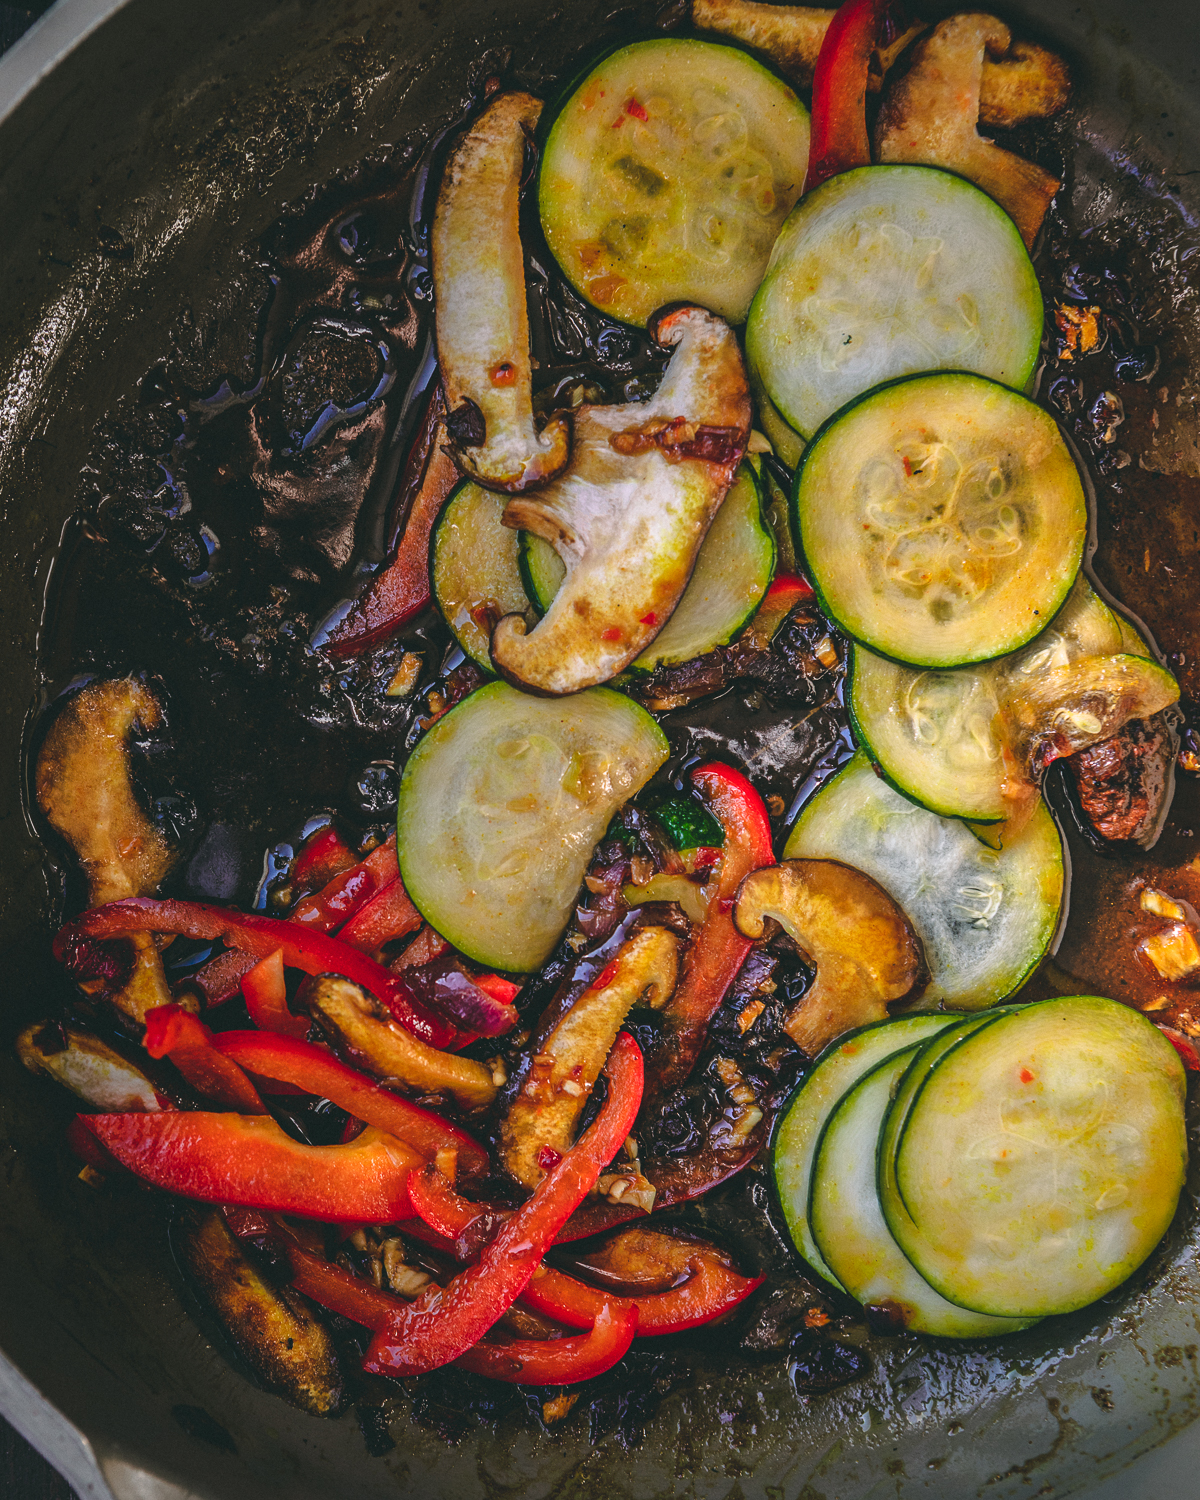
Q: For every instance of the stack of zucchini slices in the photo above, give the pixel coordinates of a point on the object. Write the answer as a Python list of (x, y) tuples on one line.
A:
[(967, 1175)]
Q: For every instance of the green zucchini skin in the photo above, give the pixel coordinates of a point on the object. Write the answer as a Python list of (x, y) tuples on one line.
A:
[(501, 805), (985, 918), (890, 271), (798, 1127), (861, 585), (849, 1226), (617, 184), (1040, 1159)]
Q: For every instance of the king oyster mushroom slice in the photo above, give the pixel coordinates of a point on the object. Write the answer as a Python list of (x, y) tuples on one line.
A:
[(84, 788), (90, 1068), (929, 117), (482, 319), (629, 515), (571, 1047), (863, 947)]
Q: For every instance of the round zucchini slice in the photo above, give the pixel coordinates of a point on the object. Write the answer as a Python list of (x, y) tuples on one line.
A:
[(473, 568), (985, 917), (889, 271), (938, 736), (733, 571), (666, 176), (943, 519), (849, 1226), (501, 805), (1042, 1159), (798, 1131)]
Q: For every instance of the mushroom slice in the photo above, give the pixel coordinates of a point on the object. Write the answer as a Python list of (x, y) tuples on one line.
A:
[(569, 1052), (865, 952), (630, 513), (275, 1331), (790, 35), (362, 1032), (84, 787), (929, 118), (90, 1068), (1027, 83), (482, 319)]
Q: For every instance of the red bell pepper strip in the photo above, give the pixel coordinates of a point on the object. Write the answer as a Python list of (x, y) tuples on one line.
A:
[(249, 1160), (500, 989), (314, 952), (315, 1070), (336, 902), (174, 1032), (424, 948), (718, 950), (528, 1361), (839, 109), (321, 857), (781, 598), (710, 1291), (266, 998), (440, 1327), (387, 915), (402, 589), (1184, 1046)]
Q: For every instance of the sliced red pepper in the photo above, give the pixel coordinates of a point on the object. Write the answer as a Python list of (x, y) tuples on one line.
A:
[(265, 990), (718, 950), (710, 1292), (401, 589), (249, 1160), (1184, 1046), (314, 952), (500, 989), (389, 914), (440, 1327), (321, 857), (424, 948), (174, 1032), (838, 141), (315, 1070), (527, 1361), (786, 591), (336, 902)]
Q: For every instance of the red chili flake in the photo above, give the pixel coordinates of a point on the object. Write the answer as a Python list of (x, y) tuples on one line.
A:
[(504, 374), (1026, 1076), (606, 976), (618, 122), (548, 1158), (611, 634), (650, 619), (908, 468), (636, 110), (725, 904)]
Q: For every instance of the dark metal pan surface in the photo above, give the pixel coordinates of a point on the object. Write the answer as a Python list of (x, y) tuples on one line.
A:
[(142, 148)]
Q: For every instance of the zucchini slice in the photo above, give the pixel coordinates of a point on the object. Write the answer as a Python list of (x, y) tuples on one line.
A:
[(943, 519), (501, 805), (473, 568), (733, 571), (667, 174), (798, 1132), (849, 1226), (938, 736), (889, 271), (1042, 1159), (985, 917)]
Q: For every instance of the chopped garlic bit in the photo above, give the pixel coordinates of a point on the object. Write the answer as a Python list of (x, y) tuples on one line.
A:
[(499, 1071), (557, 1407), (404, 679), (1174, 953), (750, 1015), (1161, 905), (744, 1115)]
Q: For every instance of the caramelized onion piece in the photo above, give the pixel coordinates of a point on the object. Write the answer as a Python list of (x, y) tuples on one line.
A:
[(364, 1034), (84, 787), (630, 513), (482, 320), (273, 1327), (865, 952), (569, 1053), (929, 118)]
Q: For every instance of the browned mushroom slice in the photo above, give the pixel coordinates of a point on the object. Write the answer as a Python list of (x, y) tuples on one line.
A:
[(1124, 783), (630, 513), (362, 1032), (482, 320), (84, 788), (274, 1329), (1027, 83), (90, 1068), (929, 117), (642, 1261), (860, 942), (570, 1049)]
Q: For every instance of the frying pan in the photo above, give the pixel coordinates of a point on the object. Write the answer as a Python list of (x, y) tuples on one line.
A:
[(173, 133)]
